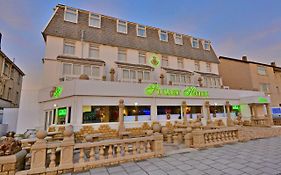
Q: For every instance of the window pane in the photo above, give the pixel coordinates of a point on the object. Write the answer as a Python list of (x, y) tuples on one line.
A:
[(163, 36), (126, 74), (95, 20), (76, 69), (141, 31), (66, 69), (140, 75), (122, 27), (95, 71), (173, 78), (142, 58), (94, 52), (87, 70), (122, 55), (146, 76), (183, 80), (69, 48), (195, 42), (71, 15), (100, 114), (133, 74)]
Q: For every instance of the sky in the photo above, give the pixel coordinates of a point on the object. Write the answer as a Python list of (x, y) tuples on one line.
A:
[(235, 28)]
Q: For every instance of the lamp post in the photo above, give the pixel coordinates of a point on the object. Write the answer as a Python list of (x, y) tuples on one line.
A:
[(137, 112)]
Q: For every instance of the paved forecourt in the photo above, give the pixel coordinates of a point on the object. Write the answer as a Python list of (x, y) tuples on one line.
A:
[(253, 158)]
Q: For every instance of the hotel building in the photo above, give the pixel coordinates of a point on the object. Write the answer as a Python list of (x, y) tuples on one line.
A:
[(92, 61)]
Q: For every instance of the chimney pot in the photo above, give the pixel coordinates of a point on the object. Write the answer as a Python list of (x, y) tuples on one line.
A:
[(273, 64), (244, 58)]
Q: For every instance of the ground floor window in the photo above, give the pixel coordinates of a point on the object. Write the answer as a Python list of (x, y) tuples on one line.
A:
[(59, 116), (137, 113), (217, 111), (193, 111), (168, 112), (100, 114)]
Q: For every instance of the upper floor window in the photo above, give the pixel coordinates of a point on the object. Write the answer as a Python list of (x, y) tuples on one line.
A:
[(261, 70), (163, 35), (6, 69), (165, 62), (76, 69), (264, 87), (94, 51), (69, 48), (94, 20), (66, 69), (206, 45), (197, 65), (180, 63), (178, 39), (122, 55), (195, 43), (122, 26), (70, 14), (141, 30), (142, 57), (208, 67)]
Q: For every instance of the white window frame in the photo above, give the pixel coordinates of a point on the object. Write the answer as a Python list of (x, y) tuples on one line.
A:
[(120, 50), (142, 54), (94, 66), (126, 24), (178, 36), (204, 45), (142, 27), (195, 39), (164, 32), (165, 58), (67, 42), (67, 9), (94, 47), (99, 18), (81, 71)]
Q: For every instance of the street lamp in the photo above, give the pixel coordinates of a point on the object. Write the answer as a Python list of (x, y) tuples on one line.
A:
[(137, 111)]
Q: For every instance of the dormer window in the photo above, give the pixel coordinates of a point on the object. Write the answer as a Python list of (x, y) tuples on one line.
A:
[(195, 42), (163, 35), (94, 20), (141, 30), (71, 15), (178, 39), (206, 45), (122, 26)]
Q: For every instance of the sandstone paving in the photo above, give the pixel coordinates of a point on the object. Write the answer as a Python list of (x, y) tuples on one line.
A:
[(255, 157)]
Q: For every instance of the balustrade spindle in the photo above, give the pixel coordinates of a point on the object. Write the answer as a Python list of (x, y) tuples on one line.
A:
[(53, 158), (219, 137), (215, 137), (92, 154), (141, 148), (206, 138), (110, 151), (101, 153), (134, 149), (126, 149), (148, 147), (118, 150), (81, 155), (138, 147)]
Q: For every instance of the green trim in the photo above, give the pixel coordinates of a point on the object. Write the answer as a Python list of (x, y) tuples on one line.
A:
[(58, 92)]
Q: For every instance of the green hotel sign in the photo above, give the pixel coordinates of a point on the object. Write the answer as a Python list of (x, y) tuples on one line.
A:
[(155, 89), (62, 112), (56, 92)]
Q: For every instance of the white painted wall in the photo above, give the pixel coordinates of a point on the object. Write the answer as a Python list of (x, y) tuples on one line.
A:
[(10, 117)]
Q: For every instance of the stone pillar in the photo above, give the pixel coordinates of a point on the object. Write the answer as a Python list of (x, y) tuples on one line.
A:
[(185, 119), (38, 153), (255, 111), (121, 127), (112, 74), (207, 106), (269, 114), (229, 121), (157, 145), (67, 147), (198, 138)]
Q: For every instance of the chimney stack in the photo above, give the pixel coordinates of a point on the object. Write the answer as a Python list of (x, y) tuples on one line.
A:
[(273, 64), (244, 58)]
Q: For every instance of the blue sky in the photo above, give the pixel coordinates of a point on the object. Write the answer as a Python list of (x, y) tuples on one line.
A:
[(236, 28)]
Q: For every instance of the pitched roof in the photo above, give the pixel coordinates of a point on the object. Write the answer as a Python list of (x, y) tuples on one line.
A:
[(108, 35), (11, 62)]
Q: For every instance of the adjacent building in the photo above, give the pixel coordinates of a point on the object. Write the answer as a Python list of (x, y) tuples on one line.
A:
[(92, 61), (244, 74)]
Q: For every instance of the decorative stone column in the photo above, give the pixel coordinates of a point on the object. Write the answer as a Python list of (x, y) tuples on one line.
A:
[(269, 114), (229, 121), (38, 153), (67, 147), (162, 79), (207, 106), (112, 74), (185, 120), (121, 127)]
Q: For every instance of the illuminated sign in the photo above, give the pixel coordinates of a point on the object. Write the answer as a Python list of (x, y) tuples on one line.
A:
[(155, 89), (236, 107), (262, 100), (62, 112), (154, 61), (56, 92)]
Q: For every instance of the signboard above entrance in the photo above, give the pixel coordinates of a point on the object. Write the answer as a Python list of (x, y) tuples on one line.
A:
[(155, 89)]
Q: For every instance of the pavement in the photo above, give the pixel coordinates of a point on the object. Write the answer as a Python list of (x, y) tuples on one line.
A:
[(255, 157)]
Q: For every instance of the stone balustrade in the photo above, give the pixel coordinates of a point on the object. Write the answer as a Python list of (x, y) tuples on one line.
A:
[(68, 156), (212, 137)]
